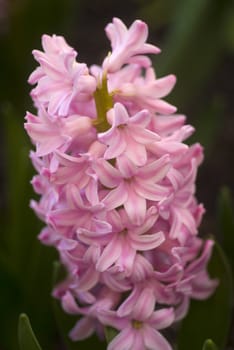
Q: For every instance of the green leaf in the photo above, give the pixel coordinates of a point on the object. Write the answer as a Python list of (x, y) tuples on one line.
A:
[(209, 345), (226, 223), (26, 336), (194, 21), (210, 318), (25, 265), (110, 333)]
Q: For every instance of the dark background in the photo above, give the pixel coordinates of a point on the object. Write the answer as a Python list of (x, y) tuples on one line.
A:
[(197, 42)]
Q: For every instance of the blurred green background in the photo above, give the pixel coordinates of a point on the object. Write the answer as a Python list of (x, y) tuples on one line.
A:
[(197, 42)]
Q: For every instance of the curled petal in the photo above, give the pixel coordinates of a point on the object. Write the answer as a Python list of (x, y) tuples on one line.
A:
[(162, 318)]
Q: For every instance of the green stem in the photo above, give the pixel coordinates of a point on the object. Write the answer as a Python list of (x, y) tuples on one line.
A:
[(104, 102)]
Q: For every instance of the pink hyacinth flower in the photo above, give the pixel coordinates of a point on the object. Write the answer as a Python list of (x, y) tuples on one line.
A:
[(128, 45), (116, 181), (132, 187), (128, 135), (51, 135), (139, 329), (141, 89), (60, 79)]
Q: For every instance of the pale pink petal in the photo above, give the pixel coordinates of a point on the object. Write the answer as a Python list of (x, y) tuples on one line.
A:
[(151, 217), (108, 175), (174, 273), (88, 279), (114, 282), (136, 152), (182, 309), (123, 341), (116, 197), (135, 207), (171, 147), (83, 329), (156, 170), (126, 43), (138, 342), (203, 286), (147, 242), (144, 307), (126, 167), (116, 146), (110, 318), (151, 191), (162, 107), (126, 260), (142, 269), (120, 116), (143, 136), (153, 340), (140, 120), (69, 304), (128, 304), (163, 86), (162, 318), (109, 255), (199, 264)]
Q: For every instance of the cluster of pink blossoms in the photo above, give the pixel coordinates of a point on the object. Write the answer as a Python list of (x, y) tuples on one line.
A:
[(117, 190)]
